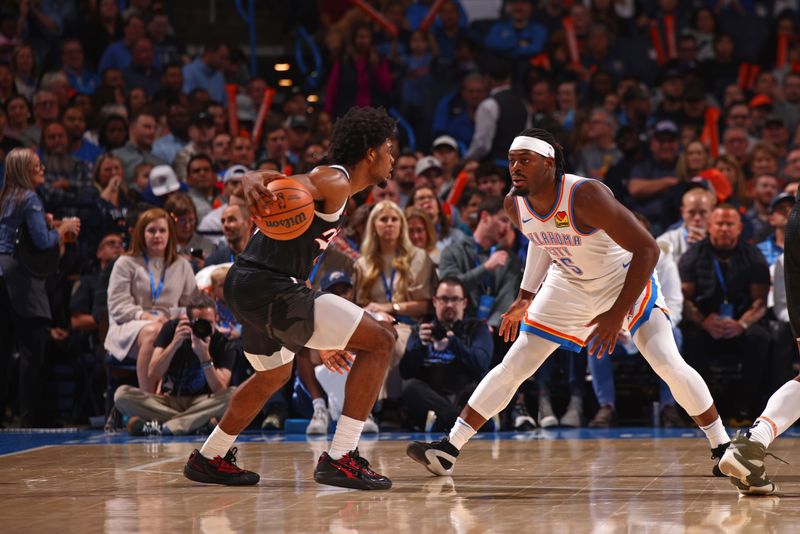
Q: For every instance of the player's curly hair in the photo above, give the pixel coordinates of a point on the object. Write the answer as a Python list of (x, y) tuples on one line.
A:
[(358, 130), (547, 137)]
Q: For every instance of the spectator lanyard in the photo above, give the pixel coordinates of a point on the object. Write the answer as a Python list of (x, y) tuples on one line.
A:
[(488, 281), (721, 280), (154, 292), (388, 290), (315, 267), (388, 287)]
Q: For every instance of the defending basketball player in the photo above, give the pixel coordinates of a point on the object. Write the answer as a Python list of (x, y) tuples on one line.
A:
[(744, 459), (598, 263), (266, 291)]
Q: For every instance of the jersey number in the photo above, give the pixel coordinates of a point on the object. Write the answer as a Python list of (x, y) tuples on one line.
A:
[(567, 263), (327, 237)]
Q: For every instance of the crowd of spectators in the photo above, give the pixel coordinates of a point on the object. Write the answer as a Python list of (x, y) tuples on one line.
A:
[(122, 171)]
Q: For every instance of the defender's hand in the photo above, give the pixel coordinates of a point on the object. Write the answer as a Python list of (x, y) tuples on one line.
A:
[(509, 327), (338, 361), (604, 336)]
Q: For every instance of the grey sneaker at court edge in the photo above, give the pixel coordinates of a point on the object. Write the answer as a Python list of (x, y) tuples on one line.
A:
[(743, 462)]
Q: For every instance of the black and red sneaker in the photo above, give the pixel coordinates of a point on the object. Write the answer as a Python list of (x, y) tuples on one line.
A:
[(219, 470), (349, 471)]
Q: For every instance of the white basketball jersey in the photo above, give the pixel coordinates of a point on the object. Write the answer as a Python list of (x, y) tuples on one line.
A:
[(585, 259)]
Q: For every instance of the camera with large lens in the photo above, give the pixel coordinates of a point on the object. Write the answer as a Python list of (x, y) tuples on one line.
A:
[(438, 332), (201, 328)]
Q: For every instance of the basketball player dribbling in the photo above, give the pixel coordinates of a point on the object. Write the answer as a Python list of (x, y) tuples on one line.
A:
[(744, 459), (598, 262), (266, 291)]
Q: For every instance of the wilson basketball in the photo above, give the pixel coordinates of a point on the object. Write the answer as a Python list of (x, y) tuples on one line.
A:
[(290, 214)]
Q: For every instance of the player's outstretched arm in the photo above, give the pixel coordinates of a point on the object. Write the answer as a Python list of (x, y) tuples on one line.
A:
[(596, 207)]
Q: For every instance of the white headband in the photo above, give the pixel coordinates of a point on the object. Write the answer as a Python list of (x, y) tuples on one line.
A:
[(533, 144)]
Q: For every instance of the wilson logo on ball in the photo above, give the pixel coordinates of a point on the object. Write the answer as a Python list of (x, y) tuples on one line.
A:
[(290, 214), (286, 222)]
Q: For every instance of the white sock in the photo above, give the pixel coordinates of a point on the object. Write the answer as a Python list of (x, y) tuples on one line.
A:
[(461, 433), (716, 434), (319, 404), (782, 410), (217, 444), (348, 430)]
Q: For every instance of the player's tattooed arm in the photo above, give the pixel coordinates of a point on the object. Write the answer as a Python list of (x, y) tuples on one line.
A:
[(596, 207), (326, 185), (330, 187)]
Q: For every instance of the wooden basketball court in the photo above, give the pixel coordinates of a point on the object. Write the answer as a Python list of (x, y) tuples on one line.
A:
[(510, 483)]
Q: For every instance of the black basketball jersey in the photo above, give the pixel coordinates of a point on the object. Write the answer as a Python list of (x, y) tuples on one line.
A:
[(294, 257), (791, 267)]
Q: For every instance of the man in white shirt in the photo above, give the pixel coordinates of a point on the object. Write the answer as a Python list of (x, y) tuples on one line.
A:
[(211, 225), (696, 206)]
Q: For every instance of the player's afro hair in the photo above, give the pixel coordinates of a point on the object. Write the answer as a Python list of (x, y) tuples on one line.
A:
[(358, 130), (547, 137)]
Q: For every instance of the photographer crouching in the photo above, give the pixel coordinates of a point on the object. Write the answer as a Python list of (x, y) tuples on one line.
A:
[(192, 362), (444, 360)]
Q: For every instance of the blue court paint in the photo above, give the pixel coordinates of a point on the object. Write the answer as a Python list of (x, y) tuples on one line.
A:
[(18, 441)]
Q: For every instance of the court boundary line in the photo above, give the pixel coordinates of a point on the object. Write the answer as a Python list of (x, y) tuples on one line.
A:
[(40, 447), (144, 468)]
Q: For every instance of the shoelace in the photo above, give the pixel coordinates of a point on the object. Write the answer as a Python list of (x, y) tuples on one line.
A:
[(740, 434), (359, 461), (231, 456), (228, 464), (777, 458)]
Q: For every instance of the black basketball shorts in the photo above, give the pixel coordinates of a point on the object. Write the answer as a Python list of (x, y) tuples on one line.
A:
[(280, 315)]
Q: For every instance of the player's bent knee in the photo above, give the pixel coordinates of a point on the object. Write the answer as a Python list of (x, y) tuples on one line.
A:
[(373, 338)]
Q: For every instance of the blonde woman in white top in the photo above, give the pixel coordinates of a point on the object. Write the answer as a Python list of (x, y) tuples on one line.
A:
[(392, 275)]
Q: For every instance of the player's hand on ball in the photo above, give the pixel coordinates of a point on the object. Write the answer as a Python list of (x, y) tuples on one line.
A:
[(604, 336), (338, 361), (256, 193), (509, 327)]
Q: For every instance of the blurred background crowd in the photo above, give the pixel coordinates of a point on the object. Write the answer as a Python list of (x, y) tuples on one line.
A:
[(127, 125)]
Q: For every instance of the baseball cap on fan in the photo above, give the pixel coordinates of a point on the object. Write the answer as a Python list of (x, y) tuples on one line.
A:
[(781, 197), (666, 128), (234, 172), (333, 278), (445, 140), (162, 180), (427, 163)]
